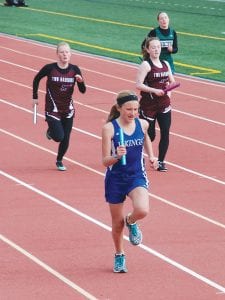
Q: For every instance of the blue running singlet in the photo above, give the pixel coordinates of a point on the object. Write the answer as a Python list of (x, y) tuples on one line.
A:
[(120, 180)]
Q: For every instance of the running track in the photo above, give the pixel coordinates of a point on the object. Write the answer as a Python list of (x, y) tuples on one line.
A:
[(55, 238)]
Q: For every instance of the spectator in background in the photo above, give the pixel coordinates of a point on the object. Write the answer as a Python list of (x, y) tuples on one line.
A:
[(167, 37), (15, 3)]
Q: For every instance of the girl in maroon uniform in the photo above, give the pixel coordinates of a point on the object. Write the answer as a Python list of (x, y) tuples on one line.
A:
[(153, 76), (59, 107)]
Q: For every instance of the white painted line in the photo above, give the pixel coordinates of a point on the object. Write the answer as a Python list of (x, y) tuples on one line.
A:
[(223, 1), (200, 118), (102, 174), (98, 137), (191, 212), (102, 225), (100, 58), (95, 136), (47, 268), (10, 103)]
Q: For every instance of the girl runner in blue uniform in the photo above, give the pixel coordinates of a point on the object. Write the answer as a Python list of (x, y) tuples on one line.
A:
[(129, 179)]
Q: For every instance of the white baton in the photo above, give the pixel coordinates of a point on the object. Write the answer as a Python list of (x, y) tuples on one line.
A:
[(35, 114)]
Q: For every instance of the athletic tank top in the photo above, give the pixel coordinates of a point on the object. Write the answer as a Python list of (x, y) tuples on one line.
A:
[(150, 104), (165, 41), (134, 146), (60, 87)]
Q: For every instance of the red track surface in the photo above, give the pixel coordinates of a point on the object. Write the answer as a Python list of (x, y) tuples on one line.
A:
[(55, 226)]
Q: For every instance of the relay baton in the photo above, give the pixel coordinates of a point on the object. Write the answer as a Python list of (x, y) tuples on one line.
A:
[(121, 136), (171, 86), (35, 114)]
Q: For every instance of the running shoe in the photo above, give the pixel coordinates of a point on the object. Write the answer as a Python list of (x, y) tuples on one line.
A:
[(162, 166), (135, 234), (60, 166), (120, 264), (48, 135)]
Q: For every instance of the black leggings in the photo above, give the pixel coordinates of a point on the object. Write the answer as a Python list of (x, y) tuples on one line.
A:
[(59, 131), (164, 121)]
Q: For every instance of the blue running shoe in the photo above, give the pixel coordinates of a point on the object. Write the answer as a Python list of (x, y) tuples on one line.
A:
[(135, 234), (60, 166), (120, 264)]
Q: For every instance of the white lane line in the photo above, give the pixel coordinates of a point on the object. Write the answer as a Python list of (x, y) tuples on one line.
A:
[(102, 174), (95, 136), (47, 268), (105, 112), (199, 117), (108, 60), (183, 77), (108, 228)]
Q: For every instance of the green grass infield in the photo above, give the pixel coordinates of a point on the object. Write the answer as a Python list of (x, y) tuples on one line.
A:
[(116, 29)]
